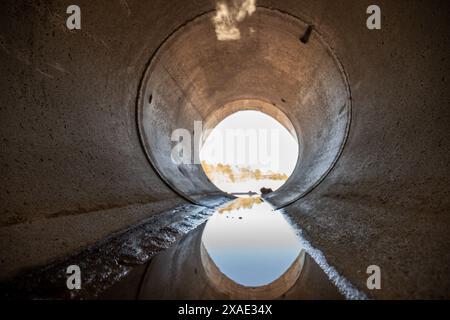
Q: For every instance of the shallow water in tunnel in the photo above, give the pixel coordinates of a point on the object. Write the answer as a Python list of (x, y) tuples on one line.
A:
[(250, 243), (246, 250)]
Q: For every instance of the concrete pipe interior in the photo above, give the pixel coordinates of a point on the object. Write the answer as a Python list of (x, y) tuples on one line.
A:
[(195, 77)]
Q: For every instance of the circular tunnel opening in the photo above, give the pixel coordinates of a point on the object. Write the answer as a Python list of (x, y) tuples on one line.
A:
[(195, 80), (249, 153)]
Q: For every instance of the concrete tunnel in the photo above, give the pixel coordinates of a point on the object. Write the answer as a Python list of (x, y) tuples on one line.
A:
[(87, 117)]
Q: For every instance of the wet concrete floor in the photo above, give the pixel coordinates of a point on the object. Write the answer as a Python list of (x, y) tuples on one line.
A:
[(245, 250)]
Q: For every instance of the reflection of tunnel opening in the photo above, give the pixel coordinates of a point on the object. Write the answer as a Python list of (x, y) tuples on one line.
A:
[(234, 290), (250, 251), (193, 76), (249, 152)]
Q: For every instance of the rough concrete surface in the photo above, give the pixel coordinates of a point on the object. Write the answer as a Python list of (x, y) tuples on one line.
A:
[(74, 171), (108, 261), (180, 273)]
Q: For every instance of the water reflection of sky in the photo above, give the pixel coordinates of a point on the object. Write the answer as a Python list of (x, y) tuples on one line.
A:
[(251, 244)]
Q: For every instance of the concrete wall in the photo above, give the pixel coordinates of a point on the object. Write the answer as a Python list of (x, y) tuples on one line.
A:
[(193, 77), (73, 169)]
